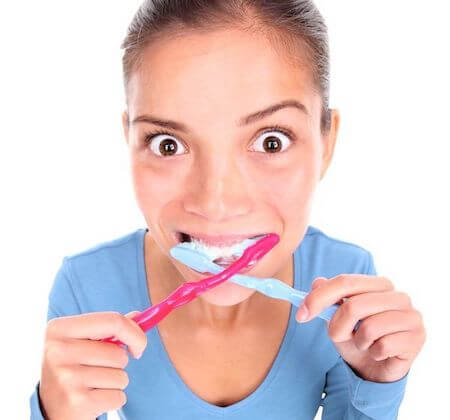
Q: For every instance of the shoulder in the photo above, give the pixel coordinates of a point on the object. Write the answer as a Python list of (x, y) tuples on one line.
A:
[(327, 256), (106, 247), (106, 255), (317, 239), (97, 276)]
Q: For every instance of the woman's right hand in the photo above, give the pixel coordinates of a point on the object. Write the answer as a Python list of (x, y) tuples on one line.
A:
[(82, 377)]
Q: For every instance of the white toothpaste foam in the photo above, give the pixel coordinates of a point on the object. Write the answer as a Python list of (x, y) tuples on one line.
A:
[(215, 252)]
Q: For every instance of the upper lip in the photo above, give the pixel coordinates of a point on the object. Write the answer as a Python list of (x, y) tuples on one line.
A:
[(220, 239)]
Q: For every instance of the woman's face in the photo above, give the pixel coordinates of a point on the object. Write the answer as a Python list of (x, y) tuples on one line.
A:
[(218, 171)]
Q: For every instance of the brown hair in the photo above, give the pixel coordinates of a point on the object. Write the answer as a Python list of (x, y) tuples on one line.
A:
[(293, 25)]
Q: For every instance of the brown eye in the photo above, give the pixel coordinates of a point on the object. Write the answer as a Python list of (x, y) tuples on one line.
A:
[(272, 142), (165, 145), (168, 147)]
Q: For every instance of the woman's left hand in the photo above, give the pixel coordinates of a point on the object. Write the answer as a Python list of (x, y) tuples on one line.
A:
[(390, 335)]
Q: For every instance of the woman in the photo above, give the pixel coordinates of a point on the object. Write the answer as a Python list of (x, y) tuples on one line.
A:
[(229, 133)]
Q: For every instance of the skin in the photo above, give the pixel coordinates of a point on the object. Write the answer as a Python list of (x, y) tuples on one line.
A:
[(224, 182), (81, 377), (219, 183)]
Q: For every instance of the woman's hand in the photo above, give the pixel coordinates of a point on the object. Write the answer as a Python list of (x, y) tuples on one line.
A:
[(82, 377), (391, 332)]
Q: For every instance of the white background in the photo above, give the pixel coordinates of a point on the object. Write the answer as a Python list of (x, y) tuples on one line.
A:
[(65, 182)]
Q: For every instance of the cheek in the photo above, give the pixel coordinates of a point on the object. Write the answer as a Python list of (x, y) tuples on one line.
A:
[(291, 189), (153, 188)]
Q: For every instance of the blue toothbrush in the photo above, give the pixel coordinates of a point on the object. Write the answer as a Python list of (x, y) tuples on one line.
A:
[(186, 253)]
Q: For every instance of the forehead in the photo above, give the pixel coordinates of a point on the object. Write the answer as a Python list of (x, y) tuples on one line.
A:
[(229, 71)]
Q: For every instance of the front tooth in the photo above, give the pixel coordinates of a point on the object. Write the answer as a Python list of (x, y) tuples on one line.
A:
[(217, 251)]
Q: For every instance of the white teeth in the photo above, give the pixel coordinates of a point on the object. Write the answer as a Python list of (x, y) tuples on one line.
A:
[(215, 252), (222, 251)]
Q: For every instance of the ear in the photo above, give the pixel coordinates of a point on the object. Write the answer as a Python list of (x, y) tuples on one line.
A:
[(329, 141), (125, 124)]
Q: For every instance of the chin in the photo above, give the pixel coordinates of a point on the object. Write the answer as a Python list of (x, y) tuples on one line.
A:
[(227, 294)]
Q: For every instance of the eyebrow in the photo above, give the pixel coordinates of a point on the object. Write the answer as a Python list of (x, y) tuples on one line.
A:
[(251, 118)]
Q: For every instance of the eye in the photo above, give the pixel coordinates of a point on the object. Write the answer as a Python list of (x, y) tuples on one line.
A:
[(274, 140), (164, 144)]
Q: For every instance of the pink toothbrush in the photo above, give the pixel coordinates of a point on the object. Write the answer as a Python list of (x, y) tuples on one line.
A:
[(190, 290)]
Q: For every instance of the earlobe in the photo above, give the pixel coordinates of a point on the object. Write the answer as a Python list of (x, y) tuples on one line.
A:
[(329, 141)]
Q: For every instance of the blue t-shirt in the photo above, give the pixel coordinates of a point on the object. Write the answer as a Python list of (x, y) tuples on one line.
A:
[(307, 372)]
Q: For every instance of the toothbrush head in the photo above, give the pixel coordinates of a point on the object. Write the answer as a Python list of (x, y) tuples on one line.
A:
[(256, 251), (193, 258), (215, 253)]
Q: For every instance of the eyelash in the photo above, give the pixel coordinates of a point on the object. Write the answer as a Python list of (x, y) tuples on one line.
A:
[(287, 132)]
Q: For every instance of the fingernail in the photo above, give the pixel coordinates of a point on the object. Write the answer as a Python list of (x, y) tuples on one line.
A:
[(302, 314), (139, 355)]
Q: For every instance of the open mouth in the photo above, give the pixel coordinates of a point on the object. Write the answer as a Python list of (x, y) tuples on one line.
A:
[(222, 250)]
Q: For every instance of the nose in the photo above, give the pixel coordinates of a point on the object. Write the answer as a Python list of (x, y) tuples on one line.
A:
[(217, 191)]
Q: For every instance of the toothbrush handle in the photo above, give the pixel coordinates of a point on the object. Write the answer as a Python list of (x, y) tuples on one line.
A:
[(278, 290), (328, 313), (296, 297), (190, 290)]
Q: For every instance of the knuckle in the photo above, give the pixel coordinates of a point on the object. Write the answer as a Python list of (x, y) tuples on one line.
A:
[(121, 358), (405, 298), (423, 336), (388, 283), (52, 351), (333, 332), (66, 377), (144, 341), (118, 321), (366, 332), (348, 308), (419, 316), (347, 281), (341, 278), (75, 399), (309, 300), (124, 379), (119, 399), (381, 349), (51, 328)]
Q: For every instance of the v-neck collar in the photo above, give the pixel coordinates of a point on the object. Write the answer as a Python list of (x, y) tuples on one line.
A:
[(181, 385)]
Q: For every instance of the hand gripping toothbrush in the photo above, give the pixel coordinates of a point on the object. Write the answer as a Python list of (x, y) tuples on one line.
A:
[(198, 258), (190, 290)]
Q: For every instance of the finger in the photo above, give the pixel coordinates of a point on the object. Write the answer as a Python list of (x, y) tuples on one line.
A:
[(97, 325), (403, 345), (339, 287), (385, 323), (101, 377), (319, 281), (361, 306), (103, 400), (87, 352), (131, 315)]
